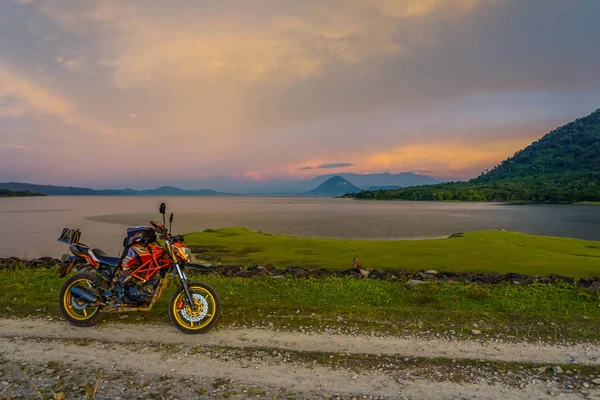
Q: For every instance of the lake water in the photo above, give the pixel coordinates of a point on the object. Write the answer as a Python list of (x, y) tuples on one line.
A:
[(30, 226)]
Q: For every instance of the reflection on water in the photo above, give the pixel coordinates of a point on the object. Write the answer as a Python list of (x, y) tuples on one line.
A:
[(30, 225)]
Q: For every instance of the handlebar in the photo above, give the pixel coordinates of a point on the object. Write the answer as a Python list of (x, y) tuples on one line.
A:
[(157, 225)]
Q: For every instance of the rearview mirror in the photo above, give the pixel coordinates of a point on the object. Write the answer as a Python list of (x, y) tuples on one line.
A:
[(171, 218), (163, 208)]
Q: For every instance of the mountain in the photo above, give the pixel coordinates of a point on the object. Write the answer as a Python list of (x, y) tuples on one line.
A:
[(77, 191), (572, 148), (364, 181), (334, 186), (294, 186), (561, 167)]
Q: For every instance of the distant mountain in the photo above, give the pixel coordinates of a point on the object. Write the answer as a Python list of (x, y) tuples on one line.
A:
[(77, 191), (10, 193), (173, 191), (229, 184), (334, 186), (364, 181), (561, 167)]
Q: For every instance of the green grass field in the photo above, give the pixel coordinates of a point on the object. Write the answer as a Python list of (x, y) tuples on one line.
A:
[(484, 251), (547, 312)]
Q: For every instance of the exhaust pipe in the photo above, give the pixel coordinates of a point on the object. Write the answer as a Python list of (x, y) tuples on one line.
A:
[(85, 294)]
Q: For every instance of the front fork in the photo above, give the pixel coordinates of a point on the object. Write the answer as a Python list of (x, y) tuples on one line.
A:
[(184, 284)]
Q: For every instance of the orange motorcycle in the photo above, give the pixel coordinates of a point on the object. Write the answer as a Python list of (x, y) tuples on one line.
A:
[(135, 281)]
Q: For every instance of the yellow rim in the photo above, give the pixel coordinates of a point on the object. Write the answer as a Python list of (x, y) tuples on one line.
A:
[(68, 300), (210, 312)]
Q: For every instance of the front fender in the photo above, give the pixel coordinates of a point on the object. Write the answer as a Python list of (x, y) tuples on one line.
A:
[(199, 268)]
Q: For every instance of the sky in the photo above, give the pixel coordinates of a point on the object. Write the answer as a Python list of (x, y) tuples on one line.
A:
[(142, 93)]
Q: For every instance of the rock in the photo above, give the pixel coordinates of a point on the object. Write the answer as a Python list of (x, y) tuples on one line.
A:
[(557, 370), (431, 272), (586, 385), (353, 273), (270, 324), (475, 332), (298, 272), (456, 235), (413, 282), (596, 381), (279, 277), (595, 285), (364, 272), (124, 316), (243, 274), (244, 364), (542, 369), (378, 274), (327, 396), (354, 377)]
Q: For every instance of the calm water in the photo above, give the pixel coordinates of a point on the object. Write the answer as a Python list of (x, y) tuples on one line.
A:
[(30, 226)]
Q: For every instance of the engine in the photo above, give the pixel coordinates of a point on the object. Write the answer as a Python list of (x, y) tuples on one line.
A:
[(141, 293)]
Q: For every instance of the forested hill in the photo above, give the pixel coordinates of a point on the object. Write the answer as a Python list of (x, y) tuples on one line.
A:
[(574, 147), (21, 193), (561, 167)]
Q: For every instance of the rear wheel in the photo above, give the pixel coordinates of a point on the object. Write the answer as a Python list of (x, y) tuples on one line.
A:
[(75, 309), (203, 318)]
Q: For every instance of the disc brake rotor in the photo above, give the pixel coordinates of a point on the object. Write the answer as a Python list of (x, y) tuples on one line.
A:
[(201, 309)]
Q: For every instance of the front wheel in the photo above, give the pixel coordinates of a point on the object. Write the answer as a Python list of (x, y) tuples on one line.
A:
[(201, 320)]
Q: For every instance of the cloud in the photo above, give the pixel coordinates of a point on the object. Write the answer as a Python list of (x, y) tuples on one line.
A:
[(268, 88), (327, 166), (21, 97), (453, 159), (422, 8), (335, 165), (15, 147)]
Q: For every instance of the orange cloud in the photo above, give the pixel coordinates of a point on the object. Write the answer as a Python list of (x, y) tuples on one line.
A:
[(23, 97), (420, 8), (446, 159)]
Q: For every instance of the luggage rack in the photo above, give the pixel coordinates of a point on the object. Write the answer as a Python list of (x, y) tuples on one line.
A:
[(69, 236)]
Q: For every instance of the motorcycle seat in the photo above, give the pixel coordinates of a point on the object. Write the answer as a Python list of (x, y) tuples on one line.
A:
[(104, 258)]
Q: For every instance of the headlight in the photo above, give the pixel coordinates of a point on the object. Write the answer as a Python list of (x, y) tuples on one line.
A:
[(187, 254)]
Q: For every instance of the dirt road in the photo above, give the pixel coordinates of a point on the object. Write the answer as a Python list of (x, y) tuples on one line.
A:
[(141, 361)]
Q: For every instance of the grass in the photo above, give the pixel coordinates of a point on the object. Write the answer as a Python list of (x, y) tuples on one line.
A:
[(483, 251), (547, 312)]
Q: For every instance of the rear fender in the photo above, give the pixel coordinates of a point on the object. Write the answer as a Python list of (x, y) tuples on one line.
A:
[(67, 264)]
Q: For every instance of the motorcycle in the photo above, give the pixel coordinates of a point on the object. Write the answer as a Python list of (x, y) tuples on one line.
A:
[(136, 280)]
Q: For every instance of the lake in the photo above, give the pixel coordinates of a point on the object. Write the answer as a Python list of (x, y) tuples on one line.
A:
[(30, 226)]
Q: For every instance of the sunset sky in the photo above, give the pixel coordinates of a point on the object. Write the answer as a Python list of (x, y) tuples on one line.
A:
[(145, 93)]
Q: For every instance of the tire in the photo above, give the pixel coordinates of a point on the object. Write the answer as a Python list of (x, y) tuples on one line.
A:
[(77, 311), (209, 311)]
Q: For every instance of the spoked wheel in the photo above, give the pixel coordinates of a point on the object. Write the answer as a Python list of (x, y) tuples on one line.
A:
[(206, 312), (75, 308)]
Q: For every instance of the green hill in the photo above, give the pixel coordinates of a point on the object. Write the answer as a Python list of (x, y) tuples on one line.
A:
[(573, 148), (561, 167)]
